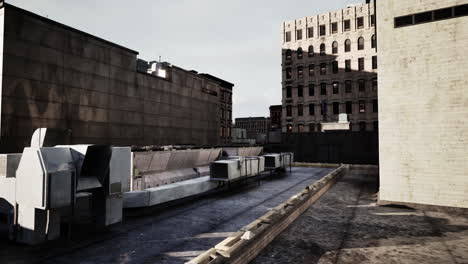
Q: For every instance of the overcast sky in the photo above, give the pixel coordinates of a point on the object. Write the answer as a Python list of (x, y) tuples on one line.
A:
[(236, 40)]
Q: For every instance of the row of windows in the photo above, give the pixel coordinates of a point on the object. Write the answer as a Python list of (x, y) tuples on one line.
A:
[(333, 28), (318, 127), (431, 16), (348, 87), (335, 108), (334, 47), (334, 68)]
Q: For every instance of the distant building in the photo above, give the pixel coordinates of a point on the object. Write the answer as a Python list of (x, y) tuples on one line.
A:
[(225, 108), (329, 66), (254, 125), (59, 77), (239, 137), (423, 95), (275, 116)]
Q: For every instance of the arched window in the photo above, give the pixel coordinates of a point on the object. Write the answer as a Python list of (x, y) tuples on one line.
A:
[(334, 47), (311, 51), (322, 49), (288, 54), (373, 42), (299, 53), (360, 45), (347, 45)]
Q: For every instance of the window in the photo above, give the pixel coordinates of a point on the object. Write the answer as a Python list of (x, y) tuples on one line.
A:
[(360, 22), (347, 25), (311, 89), (349, 107), (323, 68), (373, 42), (288, 54), (423, 17), (442, 13), (300, 72), (322, 30), (336, 87), (288, 73), (461, 10), (299, 34), (362, 106), (360, 45), (311, 69), (334, 27), (362, 126), (347, 65), (299, 53), (311, 51), (374, 84), (372, 20), (289, 128), (322, 49), (312, 127), (362, 85), (288, 92), (374, 62), (336, 108), (288, 36), (348, 87), (300, 110), (311, 109), (300, 128), (300, 91), (335, 67), (361, 64), (403, 21), (288, 110), (310, 32), (347, 45), (323, 89), (334, 47), (375, 106), (323, 108)]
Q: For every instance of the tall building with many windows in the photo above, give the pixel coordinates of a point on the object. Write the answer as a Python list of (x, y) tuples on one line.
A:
[(329, 67)]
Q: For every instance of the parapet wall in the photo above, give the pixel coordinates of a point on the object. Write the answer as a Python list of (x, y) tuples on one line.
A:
[(55, 76)]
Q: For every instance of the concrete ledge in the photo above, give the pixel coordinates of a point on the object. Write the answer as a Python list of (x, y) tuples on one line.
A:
[(245, 245)]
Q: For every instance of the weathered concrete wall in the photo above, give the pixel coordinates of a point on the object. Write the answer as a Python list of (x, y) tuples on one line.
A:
[(423, 96), (58, 77)]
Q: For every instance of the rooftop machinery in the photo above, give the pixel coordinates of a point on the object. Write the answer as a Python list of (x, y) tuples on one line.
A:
[(62, 184)]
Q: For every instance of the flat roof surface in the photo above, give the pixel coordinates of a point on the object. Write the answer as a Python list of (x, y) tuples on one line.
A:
[(346, 226), (174, 235)]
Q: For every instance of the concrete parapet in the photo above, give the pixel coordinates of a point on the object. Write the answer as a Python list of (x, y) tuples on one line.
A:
[(243, 246)]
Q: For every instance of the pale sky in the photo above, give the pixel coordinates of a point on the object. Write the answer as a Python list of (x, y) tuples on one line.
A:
[(236, 40)]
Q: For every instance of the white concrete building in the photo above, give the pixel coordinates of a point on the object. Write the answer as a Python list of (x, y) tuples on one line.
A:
[(423, 102)]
